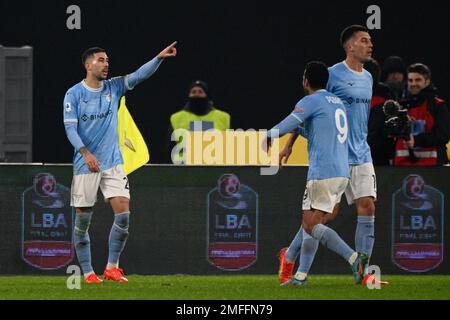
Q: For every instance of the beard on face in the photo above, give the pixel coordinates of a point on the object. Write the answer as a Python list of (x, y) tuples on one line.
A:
[(100, 75)]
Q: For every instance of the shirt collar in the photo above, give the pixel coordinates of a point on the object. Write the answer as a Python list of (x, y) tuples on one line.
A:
[(354, 71), (83, 82)]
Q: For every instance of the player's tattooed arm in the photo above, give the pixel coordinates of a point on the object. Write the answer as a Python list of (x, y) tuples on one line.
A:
[(90, 159)]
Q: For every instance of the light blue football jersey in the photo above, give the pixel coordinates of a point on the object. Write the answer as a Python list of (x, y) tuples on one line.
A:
[(95, 112), (325, 126), (355, 90)]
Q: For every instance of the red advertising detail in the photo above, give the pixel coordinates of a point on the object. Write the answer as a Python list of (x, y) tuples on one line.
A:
[(418, 257), (232, 242), (232, 256), (47, 255)]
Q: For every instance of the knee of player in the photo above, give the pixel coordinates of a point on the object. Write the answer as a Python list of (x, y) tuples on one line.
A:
[(366, 206), (329, 217), (308, 224)]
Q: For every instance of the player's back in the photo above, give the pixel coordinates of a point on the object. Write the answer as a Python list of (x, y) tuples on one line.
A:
[(355, 90), (326, 130)]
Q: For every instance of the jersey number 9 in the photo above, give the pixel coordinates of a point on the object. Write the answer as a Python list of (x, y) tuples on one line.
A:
[(342, 128)]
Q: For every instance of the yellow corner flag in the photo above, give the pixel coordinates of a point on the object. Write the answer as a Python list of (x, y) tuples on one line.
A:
[(134, 150)]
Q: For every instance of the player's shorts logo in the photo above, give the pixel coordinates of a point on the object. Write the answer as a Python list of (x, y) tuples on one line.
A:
[(47, 223), (418, 224), (232, 224)]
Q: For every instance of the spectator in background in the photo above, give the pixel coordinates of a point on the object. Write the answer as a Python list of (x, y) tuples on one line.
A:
[(430, 130), (394, 76), (199, 113), (381, 145), (380, 91)]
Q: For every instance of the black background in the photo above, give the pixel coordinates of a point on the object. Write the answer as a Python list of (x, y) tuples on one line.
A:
[(251, 53)]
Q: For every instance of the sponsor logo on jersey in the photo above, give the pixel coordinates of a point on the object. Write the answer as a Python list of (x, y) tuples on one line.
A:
[(93, 117)]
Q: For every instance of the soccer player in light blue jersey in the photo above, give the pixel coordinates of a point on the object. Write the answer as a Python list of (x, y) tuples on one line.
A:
[(323, 117), (353, 85), (90, 120)]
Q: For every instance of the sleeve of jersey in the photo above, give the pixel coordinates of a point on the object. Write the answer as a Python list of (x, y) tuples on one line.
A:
[(71, 121), (143, 73), (369, 75), (292, 121), (301, 131), (330, 84)]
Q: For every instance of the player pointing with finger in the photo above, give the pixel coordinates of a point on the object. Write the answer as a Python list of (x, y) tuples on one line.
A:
[(90, 120)]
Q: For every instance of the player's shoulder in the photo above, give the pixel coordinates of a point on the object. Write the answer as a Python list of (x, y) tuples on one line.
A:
[(329, 97), (309, 102), (336, 73), (117, 84), (75, 90), (328, 94), (306, 100), (367, 74), (337, 68), (114, 80)]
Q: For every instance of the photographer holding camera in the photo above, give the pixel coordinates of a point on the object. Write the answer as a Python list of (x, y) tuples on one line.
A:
[(427, 121)]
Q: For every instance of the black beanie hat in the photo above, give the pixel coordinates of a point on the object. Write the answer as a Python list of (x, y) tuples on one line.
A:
[(392, 64), (200, 84)]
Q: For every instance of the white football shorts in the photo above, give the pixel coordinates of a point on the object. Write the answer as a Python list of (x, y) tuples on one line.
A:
[(112, 182), (363, 183), (324, 194)]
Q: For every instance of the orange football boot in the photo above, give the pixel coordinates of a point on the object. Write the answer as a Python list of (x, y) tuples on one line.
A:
[(114, 274), (92, 278), (286, 268)]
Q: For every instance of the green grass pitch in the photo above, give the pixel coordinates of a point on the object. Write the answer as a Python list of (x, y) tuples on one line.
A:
[(264, 287)]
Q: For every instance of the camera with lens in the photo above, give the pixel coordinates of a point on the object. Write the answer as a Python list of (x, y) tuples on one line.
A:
[(397, 122)]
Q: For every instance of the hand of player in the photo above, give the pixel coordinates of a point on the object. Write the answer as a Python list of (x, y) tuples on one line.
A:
[(284, 154), (91, 161), (168, 52)]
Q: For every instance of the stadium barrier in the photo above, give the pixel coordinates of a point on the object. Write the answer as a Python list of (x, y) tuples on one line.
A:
[(217, 220)]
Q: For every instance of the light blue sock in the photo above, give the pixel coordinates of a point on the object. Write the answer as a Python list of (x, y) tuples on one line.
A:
[(365, 234), (330, 239), (82, 241), (295, 246), (308, 252), (118, 238)]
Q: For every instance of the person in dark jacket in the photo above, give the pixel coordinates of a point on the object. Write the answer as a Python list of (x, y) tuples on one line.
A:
[(381, 145), (431, 122)]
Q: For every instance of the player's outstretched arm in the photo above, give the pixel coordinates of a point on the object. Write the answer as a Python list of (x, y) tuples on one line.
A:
[(287, 125), (148, 69), (290, 123)]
